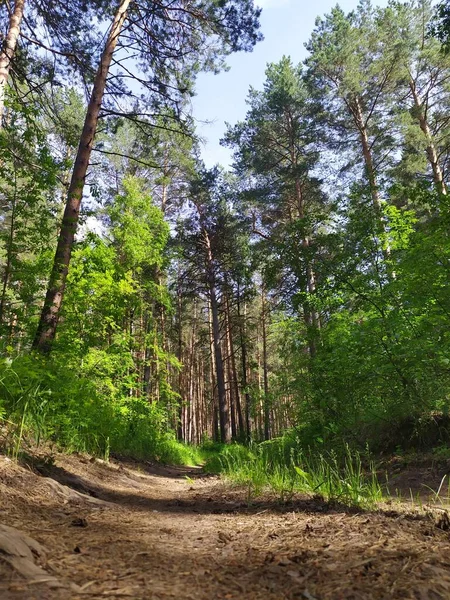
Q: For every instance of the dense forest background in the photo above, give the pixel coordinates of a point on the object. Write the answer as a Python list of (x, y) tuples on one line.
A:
[(146, 299)]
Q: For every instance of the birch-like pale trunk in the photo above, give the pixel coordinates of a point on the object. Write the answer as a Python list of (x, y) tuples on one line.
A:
[(8, 50), (48, 322)]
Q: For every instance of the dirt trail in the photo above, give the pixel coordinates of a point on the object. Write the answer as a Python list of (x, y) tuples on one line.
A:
[(142, 532)]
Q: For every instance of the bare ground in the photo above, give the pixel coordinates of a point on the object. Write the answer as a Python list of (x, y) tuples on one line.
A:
[(130, 530)]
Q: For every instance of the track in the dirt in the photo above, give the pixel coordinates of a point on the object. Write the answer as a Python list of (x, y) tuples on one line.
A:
[(155, 533)]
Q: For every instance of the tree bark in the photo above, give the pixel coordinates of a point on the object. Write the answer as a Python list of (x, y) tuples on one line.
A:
[(221, 392), (367, 153), (361, 125), (9, 253), (180, 358), (9, 49), (311, 316), (231, 388), (215, 425), (265, 368), (432, 155), (218, 358), (52, 306), (234, 375)]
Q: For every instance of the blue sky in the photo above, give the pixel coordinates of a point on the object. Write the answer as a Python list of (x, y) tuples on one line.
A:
[(286, 26)]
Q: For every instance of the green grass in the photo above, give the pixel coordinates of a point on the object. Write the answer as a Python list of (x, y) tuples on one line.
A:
[(280, 468), (42, 402)]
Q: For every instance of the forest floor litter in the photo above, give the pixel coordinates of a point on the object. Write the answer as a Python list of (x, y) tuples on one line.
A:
[(80, 528)]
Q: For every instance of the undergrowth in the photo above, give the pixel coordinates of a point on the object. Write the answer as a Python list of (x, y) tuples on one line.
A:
[(87, 409), (279, 467), (48, 402)]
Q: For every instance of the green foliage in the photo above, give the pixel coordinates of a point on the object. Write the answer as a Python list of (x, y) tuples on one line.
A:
[(284, 468), (325, 255), (48, 401)]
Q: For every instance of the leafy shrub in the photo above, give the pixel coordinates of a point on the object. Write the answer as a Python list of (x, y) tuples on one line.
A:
[(83, 409)]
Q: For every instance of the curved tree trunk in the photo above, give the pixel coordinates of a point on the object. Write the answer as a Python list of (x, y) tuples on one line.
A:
[(52, 306), (367, 153), (9, 49), (432, 155), (361, 125)]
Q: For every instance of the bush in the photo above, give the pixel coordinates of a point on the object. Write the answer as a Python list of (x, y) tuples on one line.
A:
[(82, 410)]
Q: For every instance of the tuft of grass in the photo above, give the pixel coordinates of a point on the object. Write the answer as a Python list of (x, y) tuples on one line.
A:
[(286, 471)]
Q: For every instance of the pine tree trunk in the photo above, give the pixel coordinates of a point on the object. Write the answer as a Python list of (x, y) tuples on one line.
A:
[(266, 405), (311, 316), (9, 254), (432, 155), (231, 388), (234, 375), (8, 50), (180, 358), (243, 348), (52, 306), (355, 107), (218, 359), (213, 378)]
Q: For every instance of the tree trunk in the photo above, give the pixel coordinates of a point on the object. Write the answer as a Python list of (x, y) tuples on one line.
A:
[(265, 368), (180, 358), (220, 375), (234, 375), (231, 389), (9, 49), (218, 359), (367, 153), (311, 316), (355, 108), (52, 306), (215, 426), (432, 155), (9, 254), (243, 342)]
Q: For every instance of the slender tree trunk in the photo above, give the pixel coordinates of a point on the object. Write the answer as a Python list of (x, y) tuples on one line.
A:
[(180, 358), (234, 375), (9, 253), (52, 306), (215, 411), (231, 388), (367, 153), (259, 414), (432, 155), (311, 316), (8, 50), (361, 124), (218, 358), (266, 405), (243, 343)]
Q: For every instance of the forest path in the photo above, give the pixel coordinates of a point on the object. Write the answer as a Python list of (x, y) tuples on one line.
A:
[(148, 532)]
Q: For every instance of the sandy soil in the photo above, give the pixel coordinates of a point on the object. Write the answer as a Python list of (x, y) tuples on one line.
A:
[(144, 532)]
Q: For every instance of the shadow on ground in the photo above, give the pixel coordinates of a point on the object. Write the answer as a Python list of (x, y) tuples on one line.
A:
[(199, 501)]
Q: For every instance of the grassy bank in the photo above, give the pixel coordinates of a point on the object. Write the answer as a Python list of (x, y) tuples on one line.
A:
[(281, 468)]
